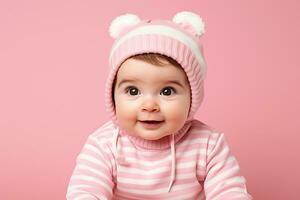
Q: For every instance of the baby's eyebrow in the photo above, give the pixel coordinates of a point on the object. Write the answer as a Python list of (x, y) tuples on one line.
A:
[(175, 82), (165, 82), (126, 81)]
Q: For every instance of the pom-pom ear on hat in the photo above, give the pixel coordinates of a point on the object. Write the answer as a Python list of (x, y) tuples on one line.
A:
[(122, 22), (190, 21)]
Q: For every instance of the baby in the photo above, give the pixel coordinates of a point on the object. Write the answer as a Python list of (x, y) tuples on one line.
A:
[(153, 148)]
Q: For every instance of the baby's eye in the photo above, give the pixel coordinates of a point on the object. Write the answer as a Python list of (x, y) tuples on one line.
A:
[(132, 91), (167, 91)]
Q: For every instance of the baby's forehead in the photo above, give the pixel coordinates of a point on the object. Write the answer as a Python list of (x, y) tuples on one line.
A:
[(134, 65), (153, 76), (142, 70), (147, 72)]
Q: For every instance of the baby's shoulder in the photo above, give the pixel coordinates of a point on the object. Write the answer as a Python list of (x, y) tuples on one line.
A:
[(200, 130), (104, 133)]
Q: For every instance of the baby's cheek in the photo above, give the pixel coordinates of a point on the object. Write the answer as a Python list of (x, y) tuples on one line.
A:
[(176, 111), (125, 117), (125, 110)]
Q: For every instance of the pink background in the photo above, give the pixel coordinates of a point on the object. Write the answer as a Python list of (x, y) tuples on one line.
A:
[(53, 66)]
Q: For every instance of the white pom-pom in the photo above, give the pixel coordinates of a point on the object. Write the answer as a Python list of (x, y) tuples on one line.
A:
[(121, 22), (192, 19)]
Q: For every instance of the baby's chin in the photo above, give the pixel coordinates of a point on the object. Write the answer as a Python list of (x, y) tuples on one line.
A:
[(151, 136)]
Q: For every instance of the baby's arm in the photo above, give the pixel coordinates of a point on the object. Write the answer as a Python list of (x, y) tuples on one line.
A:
[(223, 180), (92, 176)]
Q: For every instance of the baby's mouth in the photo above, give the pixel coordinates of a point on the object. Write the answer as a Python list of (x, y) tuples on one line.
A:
[(151, 121), (151, 124)]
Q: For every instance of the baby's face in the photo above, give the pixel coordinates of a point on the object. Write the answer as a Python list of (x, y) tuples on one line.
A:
[(151, 101)]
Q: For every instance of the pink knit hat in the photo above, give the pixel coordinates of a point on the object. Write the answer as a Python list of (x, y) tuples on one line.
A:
[(178, 39)]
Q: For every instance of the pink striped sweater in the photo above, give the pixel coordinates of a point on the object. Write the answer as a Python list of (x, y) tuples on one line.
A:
[(113, 165)]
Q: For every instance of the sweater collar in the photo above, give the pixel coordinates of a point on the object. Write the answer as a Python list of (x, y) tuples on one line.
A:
[(163, 143)]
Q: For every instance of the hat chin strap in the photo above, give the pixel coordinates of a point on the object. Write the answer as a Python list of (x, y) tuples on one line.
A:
[(173, 155), (120, 158)]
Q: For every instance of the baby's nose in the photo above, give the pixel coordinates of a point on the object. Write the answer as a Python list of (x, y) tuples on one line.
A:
[(150, 105)]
